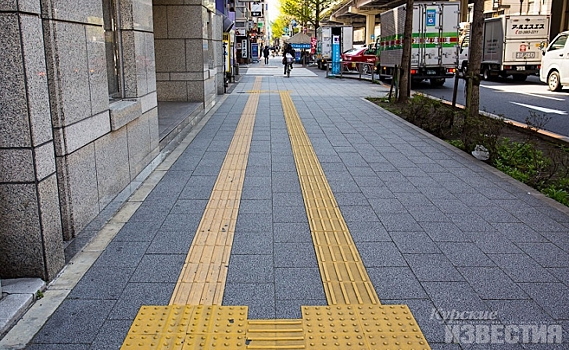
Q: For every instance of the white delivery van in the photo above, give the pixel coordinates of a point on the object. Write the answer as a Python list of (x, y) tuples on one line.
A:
[(555, 63)]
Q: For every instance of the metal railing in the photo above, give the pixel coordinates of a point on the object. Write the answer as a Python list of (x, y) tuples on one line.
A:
[(359, 70)]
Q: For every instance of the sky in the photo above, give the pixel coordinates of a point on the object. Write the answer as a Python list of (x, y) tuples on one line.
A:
[(273, 9)]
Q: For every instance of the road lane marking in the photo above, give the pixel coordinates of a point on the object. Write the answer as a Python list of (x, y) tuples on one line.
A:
[(522, 92), (541, 109)]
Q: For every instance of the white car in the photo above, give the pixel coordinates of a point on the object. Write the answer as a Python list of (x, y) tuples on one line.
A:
[(555, 63)]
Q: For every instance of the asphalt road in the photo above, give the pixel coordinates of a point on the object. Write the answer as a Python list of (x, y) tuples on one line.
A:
[(514, 100)]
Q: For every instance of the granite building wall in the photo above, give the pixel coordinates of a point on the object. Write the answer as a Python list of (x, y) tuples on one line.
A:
[(65, 150), (189, 51)]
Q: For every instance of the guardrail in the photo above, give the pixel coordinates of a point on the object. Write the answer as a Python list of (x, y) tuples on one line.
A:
[(359, 70)]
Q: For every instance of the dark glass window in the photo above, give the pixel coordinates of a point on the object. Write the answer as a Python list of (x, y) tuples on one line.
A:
[(111, 23)]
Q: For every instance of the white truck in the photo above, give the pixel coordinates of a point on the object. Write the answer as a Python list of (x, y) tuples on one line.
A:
[(512, 45), (434, 52), (324, 42)]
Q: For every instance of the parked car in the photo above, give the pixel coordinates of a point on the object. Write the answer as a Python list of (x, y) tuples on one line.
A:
[(554, 68), (363, 54)]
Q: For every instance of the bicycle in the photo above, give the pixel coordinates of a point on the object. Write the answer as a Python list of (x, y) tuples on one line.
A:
[(288, 67)]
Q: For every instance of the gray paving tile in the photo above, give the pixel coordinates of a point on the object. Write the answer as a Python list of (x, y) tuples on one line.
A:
[(254, 223), (423, 309), (152, 212), (370, 231), (122, 254), (171, 242), (428, 214), (552, 297), (111, 335), (362, 213), (386, 205), (136, 295), (256, 192), (185, 206), (376, 192), (448, 296), (255, 206), (75, 322), (519, 232), (465, 254), (102, 283), (561, 273), (471, 222), (546, 254), (198, 187), (445, 232), (294, 255), (513, 260), (143, 231), (414, 242), (451, 206), (492, 283), (285, 181), (181, 222), (395, 283), (433, 268), (298, 283), (159, 268), (530, 274), (251, 181), (287, 199), (58, 346), (518, 312), (286, 232), (249, 243), (290, 214), (494, 242), (291, 308), (399, 222), (259, 297), (380, 254), (251, 269)]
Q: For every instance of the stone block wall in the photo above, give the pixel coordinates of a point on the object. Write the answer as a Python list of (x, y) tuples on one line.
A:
[(186, 45), (65, 150), (31, 243)]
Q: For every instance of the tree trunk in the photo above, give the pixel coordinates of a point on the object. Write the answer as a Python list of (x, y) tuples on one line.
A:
[(405, 79), (475, 58)]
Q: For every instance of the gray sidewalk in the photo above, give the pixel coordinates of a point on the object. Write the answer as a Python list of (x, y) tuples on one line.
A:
[(470, 250)]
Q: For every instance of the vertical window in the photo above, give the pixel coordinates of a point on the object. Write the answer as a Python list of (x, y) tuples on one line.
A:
[(113, 48)]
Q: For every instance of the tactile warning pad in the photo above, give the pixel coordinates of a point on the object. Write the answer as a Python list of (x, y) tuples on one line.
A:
[(365, 327), (362, 327)]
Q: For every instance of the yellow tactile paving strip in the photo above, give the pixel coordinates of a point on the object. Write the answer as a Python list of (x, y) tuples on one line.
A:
[(343, 273), (354, 319), (202, 280)]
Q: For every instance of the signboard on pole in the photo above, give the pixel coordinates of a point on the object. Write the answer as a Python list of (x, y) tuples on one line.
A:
[(244, 51), (335, 54), (254, 51)]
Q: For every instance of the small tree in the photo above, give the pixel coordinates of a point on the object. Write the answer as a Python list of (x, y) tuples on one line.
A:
[(405, 80), (305, 11), (475, 59)]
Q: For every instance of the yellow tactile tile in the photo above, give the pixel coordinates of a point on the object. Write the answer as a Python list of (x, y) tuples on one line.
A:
[(203, 275), (343, 273)]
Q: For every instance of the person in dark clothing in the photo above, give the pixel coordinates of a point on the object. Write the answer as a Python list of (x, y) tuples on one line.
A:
[(288, 50), (266, 53)]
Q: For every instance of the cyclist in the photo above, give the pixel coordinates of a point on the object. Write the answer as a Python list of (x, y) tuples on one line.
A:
[(288, 52)]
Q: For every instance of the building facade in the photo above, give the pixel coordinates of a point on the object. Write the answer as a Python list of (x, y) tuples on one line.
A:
[(82, 83)]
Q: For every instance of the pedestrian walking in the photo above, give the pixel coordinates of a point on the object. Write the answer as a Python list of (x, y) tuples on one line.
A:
[(266, 52)]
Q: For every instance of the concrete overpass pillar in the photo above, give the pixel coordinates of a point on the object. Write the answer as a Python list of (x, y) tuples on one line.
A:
[(370, 28)]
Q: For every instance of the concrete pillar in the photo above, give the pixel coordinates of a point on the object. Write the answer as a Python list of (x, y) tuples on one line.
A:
[(370, 28), (31, 242)]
